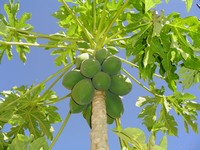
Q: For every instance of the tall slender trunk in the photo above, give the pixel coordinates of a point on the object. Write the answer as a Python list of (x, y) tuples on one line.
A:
[(99, 131)]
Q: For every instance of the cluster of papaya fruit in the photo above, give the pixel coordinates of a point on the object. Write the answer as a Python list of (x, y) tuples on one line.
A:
[(100, 71)]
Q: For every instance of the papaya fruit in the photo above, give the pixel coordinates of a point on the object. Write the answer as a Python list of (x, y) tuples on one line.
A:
[(80, 58), (102, 54), (90, 67), (87, 113), (101, 81), (111, 65), (114, 105), (76, 108), (110, 120), (83, 92), (120, 84), (72, 78)]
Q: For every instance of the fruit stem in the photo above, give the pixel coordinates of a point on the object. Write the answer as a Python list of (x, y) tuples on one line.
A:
[(60, 131), (99, 130)]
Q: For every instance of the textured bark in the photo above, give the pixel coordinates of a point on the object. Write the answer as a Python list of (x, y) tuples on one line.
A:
[(99, 131)]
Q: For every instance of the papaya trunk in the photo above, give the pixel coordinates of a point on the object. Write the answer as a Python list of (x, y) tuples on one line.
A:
[(99, 131)]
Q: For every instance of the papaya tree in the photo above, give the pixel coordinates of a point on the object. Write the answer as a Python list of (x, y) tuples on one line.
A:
[(88, 52)]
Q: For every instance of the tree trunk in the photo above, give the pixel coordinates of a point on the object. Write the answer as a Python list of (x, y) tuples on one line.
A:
[(99, 131)]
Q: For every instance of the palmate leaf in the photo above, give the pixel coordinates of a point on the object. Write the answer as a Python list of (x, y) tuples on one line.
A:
[(137, 139), (38, 120), (22, 142), (64, 56), (9, 26), (90, 31), (134, 136), (184, 105), (189, 26), (154, 121), (39, 144), (169, 122), (26, 110), (149, 116), (163, 42)]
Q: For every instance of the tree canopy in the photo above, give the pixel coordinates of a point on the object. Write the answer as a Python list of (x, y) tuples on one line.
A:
[(159, 46)]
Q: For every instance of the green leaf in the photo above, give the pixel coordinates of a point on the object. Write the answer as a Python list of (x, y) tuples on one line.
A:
[(149, 116), (158, 22), (193, 105), (134, 136), (11, 34), (63, 56), (3, 143), (139, 5), (20, 142), (169, 122), (3, 28), (192, 63), (189, 77), (164, 142), (22, 50), (167, 1), (11, 10), (28, 111), (22, 22), (147, 59), (150, 4), (188, 4), (39, 144), (152, 146), (182, 104)]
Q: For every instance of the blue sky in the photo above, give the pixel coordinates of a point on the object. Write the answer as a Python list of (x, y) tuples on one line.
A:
[(40, 65)]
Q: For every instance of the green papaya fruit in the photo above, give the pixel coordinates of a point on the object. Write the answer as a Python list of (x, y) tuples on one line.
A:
[(83, 92), (101, 81), (110, 120), (87, 113), (111, 65), (72, 78), (76, 108), (80, 58), (90, 67), (114, 105), (102, 54), (120, 84)]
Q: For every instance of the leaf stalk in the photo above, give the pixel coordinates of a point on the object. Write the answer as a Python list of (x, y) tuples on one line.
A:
[(60, 130)]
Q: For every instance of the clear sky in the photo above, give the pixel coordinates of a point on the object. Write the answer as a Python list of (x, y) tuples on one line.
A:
[(40, 65)]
